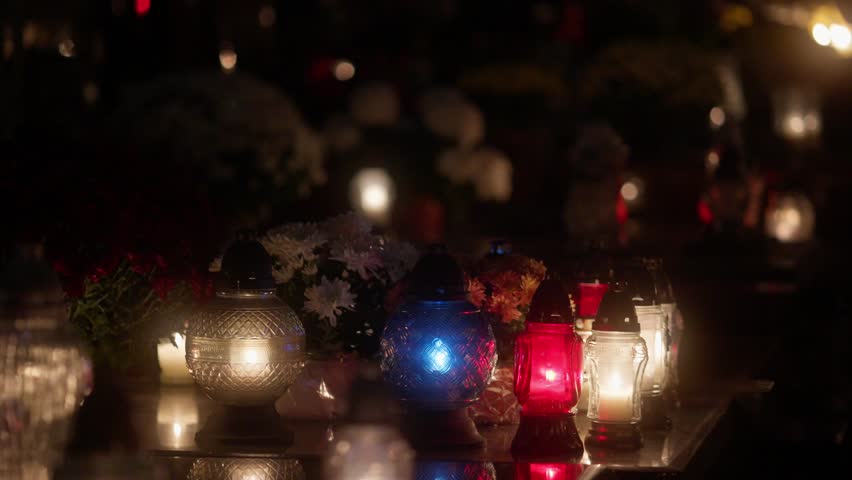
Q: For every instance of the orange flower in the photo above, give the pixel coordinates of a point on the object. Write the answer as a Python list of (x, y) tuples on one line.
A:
[(476, 292), (529, 284), (505, 307)]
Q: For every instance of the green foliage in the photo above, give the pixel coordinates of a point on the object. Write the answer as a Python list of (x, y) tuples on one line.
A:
[(121, 314)]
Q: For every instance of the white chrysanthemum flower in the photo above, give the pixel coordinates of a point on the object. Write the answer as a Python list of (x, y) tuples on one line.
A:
[(399, 259), (215, 265), (329, 299), (493, 178), (375, 105), (293, 246), (366, 262)]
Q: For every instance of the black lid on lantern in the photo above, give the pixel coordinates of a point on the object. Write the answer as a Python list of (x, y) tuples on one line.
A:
[(616, 312), (662, 284), (637, 280), (551, 304), (246, 265), (437, 276), (371, 400), (28, 285)]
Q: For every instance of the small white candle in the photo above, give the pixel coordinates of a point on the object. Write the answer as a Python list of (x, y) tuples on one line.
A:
[(172, 360), (616, 400)]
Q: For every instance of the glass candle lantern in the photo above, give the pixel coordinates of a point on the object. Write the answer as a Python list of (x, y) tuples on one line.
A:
[(245, 348), (548, 376), (666, 299), (616, 356), (548, 471), (438, 354), (369, 446), (211, 468), (431, 470), (44, 372)]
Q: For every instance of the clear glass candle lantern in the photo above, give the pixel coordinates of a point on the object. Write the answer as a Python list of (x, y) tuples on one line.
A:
[(668, 303), (548, 376), (369, 446), (438, 354), (230, 468), (246, 347), (44, 372), (654, 330), (616, 356)]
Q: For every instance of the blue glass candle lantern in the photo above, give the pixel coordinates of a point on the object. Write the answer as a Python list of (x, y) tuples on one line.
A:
[(438, 354)]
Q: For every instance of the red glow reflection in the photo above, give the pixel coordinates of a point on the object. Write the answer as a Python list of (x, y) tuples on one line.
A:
[(142, 7)]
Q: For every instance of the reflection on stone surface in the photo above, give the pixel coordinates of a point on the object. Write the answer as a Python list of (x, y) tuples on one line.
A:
[(177, 418), (369, 452), (454, 471), (246, 469)]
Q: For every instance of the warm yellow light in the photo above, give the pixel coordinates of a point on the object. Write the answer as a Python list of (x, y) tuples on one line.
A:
[(821, 34), (841, 37), (177, 430), (629, 191), (66, 48), (712, 161), (796, 125), (228, 60), (344, 70), (250, 356), (266, 16), (717, 117), (372, 193), (550, 375)]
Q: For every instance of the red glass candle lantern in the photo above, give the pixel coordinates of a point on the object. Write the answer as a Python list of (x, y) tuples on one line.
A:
[(548, 376), (590, 298), (548, 471)]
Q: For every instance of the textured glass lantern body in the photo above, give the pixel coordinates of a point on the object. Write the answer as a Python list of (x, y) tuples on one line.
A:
[(548, 369), (616, 361), (455, 471), (438, 354), (654, 330), (369, 452), (245, 348), (211, 468), (548, 471), (43, 378)]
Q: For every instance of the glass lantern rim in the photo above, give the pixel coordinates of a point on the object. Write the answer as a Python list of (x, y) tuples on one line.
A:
[(244, 293)]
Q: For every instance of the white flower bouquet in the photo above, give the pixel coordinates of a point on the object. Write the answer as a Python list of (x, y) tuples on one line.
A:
[(336, 273)]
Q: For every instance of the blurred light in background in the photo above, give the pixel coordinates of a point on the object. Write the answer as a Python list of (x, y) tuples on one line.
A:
[(66, 48), (711, 162), (91, 92), (142, 7), (841, 38), (372, 193), (821, 34), (228, 59), (717, 117), (632, 191), (797, 114), (266, 17), (343, 70), (790, 218)]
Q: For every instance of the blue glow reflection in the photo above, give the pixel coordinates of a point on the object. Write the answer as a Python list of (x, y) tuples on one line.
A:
[(438, 357)]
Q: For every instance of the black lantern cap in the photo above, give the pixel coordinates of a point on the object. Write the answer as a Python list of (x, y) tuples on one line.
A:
[(662, 284), (27, 281), (616, 312), (638, 282), (246, 265), (437, 276), (551, 304)]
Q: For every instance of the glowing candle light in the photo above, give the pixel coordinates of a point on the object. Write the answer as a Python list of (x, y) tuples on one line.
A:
[(172, 359), (548, 375), (616, 357), (372, 193), (438, 353)]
